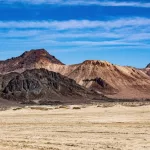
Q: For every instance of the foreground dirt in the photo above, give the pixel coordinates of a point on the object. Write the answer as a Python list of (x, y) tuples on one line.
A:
[(91, 128)]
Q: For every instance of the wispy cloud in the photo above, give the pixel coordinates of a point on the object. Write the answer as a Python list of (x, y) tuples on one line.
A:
[(75, 34), (76, 24), (19, 33), (81, 2)]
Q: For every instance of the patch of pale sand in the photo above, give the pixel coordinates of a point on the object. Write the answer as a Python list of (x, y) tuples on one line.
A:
[(112, 128)]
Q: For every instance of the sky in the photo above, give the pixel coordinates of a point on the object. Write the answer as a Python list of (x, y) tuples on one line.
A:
[(117, 31)]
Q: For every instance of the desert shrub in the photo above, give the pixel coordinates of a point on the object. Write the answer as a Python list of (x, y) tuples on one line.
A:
[(63, 106), (40, 108), (18, 108), (76, 107)]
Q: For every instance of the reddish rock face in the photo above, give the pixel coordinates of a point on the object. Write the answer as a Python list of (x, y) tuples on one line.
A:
[(27, 60)]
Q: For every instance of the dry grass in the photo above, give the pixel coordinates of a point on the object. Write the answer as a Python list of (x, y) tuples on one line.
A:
[(40, 108), (99, 128), (76, 107), (17, 108), (63, 106)]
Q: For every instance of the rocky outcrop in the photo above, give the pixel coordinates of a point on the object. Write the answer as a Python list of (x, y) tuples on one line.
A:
[(100, 85), (44, 87)]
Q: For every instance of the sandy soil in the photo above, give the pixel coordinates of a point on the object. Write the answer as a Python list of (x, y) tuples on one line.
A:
[(91, 128)]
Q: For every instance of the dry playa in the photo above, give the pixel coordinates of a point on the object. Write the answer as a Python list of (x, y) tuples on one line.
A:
[(64, 128)]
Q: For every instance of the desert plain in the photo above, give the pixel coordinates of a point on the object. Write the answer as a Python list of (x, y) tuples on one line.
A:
[(88, 127)]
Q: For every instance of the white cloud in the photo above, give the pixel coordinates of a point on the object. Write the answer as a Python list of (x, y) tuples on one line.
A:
[(139, 37), (16, 33), (127, 32), (108, 3), (82, 2), (76, 24)]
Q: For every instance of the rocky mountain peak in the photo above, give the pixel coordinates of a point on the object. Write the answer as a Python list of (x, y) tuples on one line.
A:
[(28, 60), (40, 54), (148, 66)]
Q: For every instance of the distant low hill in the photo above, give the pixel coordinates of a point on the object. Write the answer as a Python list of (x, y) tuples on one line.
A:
[(147, 69), (148, 66)]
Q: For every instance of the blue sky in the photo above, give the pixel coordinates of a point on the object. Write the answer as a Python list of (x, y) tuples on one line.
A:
[(76, 30)]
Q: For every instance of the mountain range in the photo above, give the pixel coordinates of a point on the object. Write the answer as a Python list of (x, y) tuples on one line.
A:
[(38, 75)]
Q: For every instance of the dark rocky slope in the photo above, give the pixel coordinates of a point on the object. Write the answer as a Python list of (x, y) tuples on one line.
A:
[(43, 87), (148, 66)]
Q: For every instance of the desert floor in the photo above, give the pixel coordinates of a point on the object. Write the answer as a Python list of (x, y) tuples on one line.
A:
[(89, 128)]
